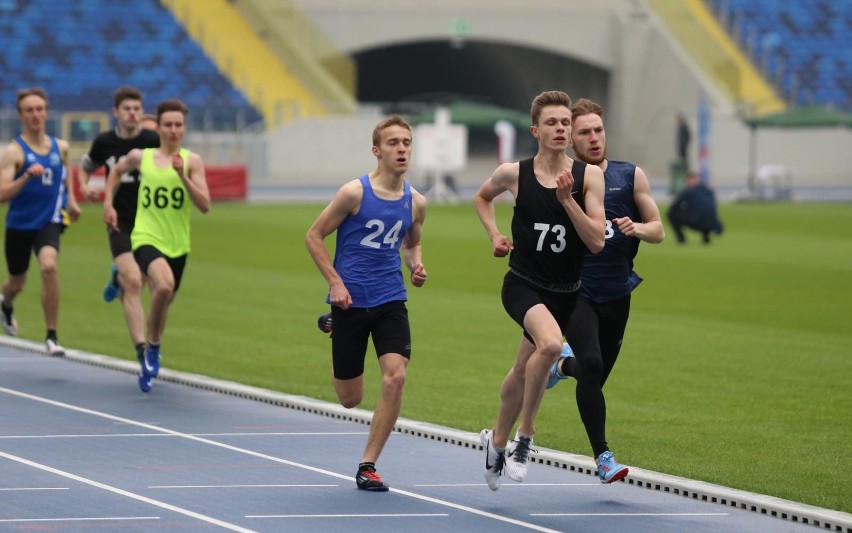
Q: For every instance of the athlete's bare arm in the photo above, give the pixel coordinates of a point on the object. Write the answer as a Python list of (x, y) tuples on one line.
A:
[(127, 163), (411, 250), (504, 178), (590, 224), (11, 160), (650, 229), (194, 180), (346, 202)]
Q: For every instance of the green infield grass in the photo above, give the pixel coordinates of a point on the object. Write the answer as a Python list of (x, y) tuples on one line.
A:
[(736, 367)]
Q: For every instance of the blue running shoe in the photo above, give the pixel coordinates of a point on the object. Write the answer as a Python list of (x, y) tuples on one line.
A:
[(608, 470), (112, 288), (151, 362), (144, 383), (555, 377)]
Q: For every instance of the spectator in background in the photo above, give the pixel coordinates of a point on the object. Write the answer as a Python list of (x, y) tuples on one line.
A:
[(33, 178), (695, 208), (682, 139)]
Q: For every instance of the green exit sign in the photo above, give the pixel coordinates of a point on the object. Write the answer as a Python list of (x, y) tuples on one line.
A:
[(459, 27)]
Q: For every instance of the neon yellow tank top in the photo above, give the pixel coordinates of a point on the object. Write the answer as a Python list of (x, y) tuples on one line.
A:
[(163, 206)]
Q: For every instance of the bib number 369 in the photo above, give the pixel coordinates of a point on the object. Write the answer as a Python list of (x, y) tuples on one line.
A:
[(162, 197)]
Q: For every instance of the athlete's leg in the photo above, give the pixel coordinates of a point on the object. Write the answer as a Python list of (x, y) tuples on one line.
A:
[(393, 366), (162, 284), (547, 337), (130, 278), (47, 258), (587, 369)]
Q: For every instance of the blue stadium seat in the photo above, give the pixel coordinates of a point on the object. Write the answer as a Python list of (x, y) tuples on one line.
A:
[(805, 46), (81, 51)]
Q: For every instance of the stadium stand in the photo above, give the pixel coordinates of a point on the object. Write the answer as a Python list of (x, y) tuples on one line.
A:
[(81, 51), (803, 47), (249, 61)]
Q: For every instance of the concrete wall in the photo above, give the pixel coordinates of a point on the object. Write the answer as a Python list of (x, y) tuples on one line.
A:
[(651, 79)]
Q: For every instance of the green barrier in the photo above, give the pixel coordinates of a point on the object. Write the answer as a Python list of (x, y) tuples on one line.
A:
[(678, 177)]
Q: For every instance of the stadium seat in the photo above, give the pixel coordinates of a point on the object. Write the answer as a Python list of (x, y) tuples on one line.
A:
[(804, 47), (90, 47)]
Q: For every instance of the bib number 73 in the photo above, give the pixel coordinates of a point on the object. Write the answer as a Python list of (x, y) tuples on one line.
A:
[(543, 229)]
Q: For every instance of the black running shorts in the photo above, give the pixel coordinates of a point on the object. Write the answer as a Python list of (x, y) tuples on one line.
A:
[(387, 324), (146, 254), (119, 241), (21, 243), (519, 296)]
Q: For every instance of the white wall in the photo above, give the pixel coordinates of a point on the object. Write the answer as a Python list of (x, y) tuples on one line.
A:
[(651, 80)]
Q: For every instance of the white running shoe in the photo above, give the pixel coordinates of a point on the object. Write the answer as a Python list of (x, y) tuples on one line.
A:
[(494, 459), (9, 326), (518, 455), (54, 349)]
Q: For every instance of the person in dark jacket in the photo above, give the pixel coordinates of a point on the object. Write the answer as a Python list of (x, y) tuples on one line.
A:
[(695, 208)]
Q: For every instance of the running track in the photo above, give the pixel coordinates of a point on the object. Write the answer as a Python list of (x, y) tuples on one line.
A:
[(82, 449)]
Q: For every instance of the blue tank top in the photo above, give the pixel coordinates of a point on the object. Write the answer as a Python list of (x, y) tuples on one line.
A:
[(41, 200), (367, 253), (608, 275)]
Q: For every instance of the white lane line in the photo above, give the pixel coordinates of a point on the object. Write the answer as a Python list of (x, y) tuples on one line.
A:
[(128, 435), (32, 488), (388, 515), (235, 486), (79, 519), (272, 458), (509, 485), (628, 514), (116, 490)]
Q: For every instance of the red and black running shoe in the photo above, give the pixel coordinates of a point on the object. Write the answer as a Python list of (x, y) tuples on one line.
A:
[(369, 479), (324, 323)]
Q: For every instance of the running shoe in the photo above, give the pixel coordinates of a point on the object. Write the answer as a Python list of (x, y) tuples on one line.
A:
[(368, 479), (608, 470), (555, 377), (144, 383), (10, 325), (518, 455), (53, 348), (494, 460), (151, 362), (112, 288), (143, 380), (324, 323)]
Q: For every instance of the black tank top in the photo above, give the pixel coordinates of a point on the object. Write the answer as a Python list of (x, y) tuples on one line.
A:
[(547, 250)]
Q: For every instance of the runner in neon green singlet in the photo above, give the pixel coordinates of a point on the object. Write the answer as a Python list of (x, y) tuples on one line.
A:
[(162, 215), (171, 178)]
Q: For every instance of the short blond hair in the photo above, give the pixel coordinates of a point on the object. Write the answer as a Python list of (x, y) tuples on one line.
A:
[(393, 120)]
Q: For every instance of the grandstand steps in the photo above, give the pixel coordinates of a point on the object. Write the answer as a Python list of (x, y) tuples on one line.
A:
[(700, 35), (248, 62), (304, 48)]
